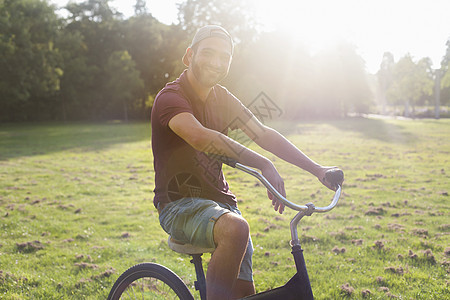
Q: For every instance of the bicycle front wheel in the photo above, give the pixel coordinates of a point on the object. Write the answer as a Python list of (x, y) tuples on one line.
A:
[(149, 281)]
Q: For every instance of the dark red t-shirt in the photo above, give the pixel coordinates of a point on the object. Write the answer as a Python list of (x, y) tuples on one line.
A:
[(180, 170)]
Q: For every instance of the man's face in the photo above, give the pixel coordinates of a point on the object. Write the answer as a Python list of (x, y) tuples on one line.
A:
[(211, 61)]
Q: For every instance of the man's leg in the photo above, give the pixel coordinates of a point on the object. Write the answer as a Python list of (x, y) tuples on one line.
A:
[(231, 233), (242, 288)]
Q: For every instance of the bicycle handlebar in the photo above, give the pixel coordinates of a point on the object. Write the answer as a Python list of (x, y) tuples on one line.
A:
[(333, 176)]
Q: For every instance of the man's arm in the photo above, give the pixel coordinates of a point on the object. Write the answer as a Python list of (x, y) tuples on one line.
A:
[(186, 126), (272, 141)]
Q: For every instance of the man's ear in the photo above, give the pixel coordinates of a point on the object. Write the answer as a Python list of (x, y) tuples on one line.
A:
[(188, 56)]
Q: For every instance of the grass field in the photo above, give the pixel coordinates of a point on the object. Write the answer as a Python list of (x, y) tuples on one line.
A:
[(76, 210)]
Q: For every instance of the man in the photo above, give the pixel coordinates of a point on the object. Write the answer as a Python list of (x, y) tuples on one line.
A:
[(190, 121)]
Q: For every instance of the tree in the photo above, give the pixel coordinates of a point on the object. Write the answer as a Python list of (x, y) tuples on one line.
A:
[(341, 81), (411, 83), (277, 64), (77, 76), (123, 83), (140, 8), (425, 78), (445, 85), (152, 46), (234, 15), (446, 59), (29, 72), (102, 33), (445, 76), (155, 49), (384, 76), (93, 10), (330, 83)]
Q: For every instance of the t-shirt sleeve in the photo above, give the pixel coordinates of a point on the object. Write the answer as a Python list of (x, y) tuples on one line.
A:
[(240, 114), (170, 104)]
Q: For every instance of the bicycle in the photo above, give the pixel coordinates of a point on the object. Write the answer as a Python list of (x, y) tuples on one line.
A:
[(154, 281)]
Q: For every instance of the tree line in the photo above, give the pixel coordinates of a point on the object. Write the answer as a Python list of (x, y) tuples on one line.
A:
[(95, 64)]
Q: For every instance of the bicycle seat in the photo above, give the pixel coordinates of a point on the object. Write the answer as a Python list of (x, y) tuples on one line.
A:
[(190, 249)]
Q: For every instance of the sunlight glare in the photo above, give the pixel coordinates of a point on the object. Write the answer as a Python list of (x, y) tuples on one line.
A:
[(317, 24), (374, 27)]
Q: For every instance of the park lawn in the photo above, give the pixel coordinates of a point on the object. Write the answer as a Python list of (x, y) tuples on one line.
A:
[(76, 210)]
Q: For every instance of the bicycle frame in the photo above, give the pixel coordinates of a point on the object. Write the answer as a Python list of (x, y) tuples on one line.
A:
[(298, 287)]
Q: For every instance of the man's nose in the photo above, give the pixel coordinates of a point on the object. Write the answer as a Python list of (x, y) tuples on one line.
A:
[(215, 61)]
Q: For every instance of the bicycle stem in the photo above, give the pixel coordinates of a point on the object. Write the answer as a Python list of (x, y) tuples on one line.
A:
[(294, 223)]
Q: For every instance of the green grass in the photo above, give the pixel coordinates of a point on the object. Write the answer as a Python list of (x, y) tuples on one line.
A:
[(76, 210)]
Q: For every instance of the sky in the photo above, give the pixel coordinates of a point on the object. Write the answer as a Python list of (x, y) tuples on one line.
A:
[(416, 27)]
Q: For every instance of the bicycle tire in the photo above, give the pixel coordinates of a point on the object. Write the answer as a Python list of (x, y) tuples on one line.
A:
[(150, 281)]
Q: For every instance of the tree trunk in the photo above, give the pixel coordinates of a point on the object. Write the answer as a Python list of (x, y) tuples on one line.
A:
[(437, 94), (63, 106), (407, 112), (125, 111)]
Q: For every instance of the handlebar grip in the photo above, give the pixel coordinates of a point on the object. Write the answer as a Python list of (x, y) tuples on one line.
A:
[(334, 176), (226, 160)]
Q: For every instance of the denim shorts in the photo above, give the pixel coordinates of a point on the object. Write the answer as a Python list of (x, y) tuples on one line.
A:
[(191, 220)]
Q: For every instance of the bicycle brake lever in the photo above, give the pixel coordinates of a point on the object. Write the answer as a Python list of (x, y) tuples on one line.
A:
[(226, 160)]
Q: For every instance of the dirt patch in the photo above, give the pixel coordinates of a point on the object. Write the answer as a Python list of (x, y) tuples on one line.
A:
[(365, 293), (429, 257), (379, 245), (83, 265), (396, 227), (271, 226), (337, 250), (82, 282), (421, 232), (447, 251), (125, 235), (84, 257), (398, 270), (375, 211), (412, 255), (107, 273), (357, 242), (309, 239), (29, 247), (383, 289), (444, 227), (347, 289)]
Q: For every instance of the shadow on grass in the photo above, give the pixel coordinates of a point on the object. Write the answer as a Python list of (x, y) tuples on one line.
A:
[(367, 128), (18, 140), (377, 129)]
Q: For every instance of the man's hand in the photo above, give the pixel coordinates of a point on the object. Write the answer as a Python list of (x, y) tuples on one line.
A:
[(321, 177), (272, 175)]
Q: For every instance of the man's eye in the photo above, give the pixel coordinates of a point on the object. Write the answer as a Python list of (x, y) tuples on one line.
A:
[(207, 53)]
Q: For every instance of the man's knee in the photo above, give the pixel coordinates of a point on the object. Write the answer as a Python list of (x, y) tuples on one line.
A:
[(231, 227)]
